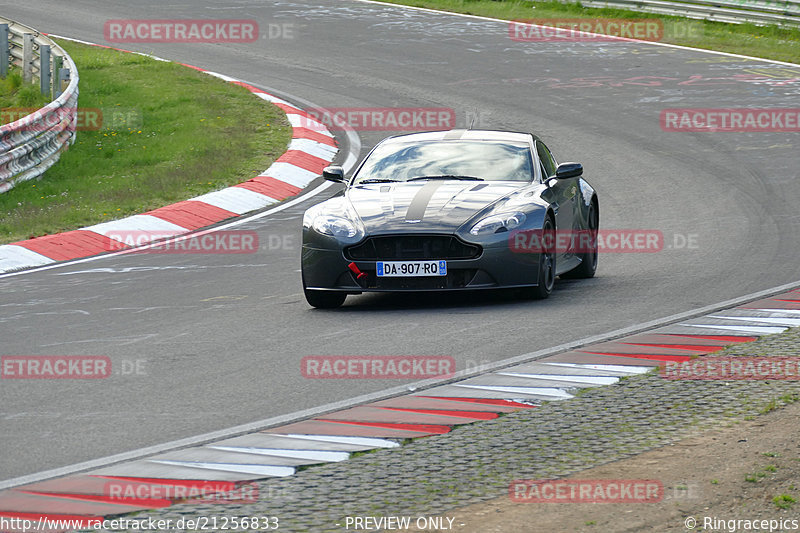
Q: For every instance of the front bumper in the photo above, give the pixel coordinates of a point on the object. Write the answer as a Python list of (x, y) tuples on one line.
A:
[(495, 268)]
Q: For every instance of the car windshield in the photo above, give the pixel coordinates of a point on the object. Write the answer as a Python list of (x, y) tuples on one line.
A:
[(469, 160)]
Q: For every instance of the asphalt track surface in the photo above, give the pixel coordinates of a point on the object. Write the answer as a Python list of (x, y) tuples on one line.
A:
[(220, 337)]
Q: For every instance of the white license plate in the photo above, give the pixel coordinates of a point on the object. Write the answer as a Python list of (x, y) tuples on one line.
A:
[(388, 269)]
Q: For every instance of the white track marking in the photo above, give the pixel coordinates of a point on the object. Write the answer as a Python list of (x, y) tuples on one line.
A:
[(591, 380)]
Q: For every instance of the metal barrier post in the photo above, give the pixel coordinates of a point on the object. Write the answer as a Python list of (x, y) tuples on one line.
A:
[(63, 79), (27, 57), (44, 68), (4, 51), (58, 62)]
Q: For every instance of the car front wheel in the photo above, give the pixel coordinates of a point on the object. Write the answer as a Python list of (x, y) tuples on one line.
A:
[(588, 265), (547, 263)]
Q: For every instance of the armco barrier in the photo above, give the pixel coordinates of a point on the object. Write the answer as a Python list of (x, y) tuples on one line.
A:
[(32, 144), (761, 12)]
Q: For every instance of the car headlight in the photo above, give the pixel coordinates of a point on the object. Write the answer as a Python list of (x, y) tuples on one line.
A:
[(336, 226), (498, 223)]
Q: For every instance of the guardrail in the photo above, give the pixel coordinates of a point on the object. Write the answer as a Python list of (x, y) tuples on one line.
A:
[(761, 12), (33, 143)]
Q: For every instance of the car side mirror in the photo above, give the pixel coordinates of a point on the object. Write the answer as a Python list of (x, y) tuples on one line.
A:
[(569, 170), (333, 173)]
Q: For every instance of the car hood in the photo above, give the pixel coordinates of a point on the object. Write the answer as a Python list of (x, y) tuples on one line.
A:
[(425, 205)]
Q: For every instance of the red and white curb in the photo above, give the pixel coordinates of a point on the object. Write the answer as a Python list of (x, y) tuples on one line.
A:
[(226, 465), (311, 149)]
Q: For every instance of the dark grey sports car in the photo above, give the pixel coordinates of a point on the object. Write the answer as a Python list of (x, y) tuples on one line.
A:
[(451, 210)]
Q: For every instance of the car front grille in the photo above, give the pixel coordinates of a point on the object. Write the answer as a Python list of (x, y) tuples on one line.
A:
[(412, 247)]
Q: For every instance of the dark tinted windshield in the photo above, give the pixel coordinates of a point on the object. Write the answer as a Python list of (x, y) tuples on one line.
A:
[(491, 161)]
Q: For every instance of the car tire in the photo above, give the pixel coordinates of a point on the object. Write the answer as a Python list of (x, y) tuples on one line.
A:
[(547, 264), (588, 265)]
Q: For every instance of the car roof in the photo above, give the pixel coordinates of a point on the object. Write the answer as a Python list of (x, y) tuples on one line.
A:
[(461, 134)]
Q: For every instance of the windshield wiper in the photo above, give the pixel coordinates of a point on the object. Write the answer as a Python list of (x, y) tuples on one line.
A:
[(376, 180), (446, 177)]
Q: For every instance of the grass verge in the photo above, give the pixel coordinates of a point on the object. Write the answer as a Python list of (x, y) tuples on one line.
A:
[(770, 42), (15, 94), (164, 133)]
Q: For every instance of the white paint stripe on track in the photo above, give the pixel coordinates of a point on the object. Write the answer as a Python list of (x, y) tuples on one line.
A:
[(592, 380), (220, 76), (355, 441), (552, 392), (236, 199), (760, 330), (323, 456), (143, 223), (317, 149), (791, 322), (624, 369), (261, 470), (13, 257), (291, 174), (782, 311), (302, 121)]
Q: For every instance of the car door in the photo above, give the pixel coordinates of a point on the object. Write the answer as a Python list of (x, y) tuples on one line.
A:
[(564, 199)]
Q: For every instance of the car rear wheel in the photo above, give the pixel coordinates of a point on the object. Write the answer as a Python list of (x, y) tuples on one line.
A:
[(547, 263), (588, 265)]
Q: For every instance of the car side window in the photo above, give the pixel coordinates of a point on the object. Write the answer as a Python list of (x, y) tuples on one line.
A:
[(548, 163)]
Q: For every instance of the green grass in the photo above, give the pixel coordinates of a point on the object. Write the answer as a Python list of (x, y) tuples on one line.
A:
[(167, 133), (15, 94), (769, 42), (783, 501), (755, 477)]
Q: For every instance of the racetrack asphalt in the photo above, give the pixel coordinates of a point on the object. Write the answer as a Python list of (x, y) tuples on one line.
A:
[(221, 336)]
